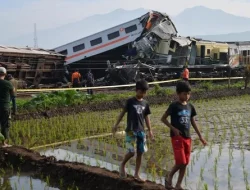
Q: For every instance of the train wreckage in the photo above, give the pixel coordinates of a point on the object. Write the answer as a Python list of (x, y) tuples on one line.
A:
[(148, 47)]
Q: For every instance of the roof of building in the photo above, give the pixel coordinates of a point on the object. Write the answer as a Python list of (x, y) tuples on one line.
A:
[(27, 50)]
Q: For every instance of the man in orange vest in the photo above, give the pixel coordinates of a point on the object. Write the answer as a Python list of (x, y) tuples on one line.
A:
[(76, 79), (185, 74)]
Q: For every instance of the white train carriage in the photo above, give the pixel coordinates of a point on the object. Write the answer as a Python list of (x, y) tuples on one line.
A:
[(111, 38), (102, 41)]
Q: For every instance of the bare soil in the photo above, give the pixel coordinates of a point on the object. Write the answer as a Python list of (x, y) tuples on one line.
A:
[(116, 104), (82, 176)]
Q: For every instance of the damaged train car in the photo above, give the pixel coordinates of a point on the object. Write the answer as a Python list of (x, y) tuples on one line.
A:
[(32, 66), (149, 47)]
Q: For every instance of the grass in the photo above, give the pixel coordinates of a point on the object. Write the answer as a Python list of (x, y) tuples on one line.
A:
[(59, 99)]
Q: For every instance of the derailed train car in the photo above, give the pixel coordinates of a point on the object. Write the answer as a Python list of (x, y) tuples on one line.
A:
[(33, 66), (149, 47)]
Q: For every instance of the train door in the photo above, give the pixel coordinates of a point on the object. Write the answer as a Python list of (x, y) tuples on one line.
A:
[(193, 53), (203, 54)]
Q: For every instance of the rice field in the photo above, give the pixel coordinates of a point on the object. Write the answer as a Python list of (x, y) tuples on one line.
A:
[(222, 165)]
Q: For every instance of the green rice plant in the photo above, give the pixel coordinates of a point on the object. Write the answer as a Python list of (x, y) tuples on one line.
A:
[(205, 186), (201, 174), (61, 182), (215, 166), (216, 187), (31, 184), (48, 180)]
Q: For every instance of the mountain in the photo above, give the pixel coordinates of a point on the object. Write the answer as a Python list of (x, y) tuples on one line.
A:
[(197, 21), (55, 37), (204, 21), (243, 36)]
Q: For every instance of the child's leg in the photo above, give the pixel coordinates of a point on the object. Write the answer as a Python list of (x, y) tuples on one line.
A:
[(138, 164), (180, 158), (170, 176), (180, 177), (130, 146), (127, 157), (187, 151), (141, 148)]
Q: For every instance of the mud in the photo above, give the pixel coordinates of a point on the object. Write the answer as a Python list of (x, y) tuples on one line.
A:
[(82, 176), (116, 104)]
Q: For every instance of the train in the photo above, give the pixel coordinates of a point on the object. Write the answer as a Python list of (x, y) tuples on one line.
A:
[(147, 46), (33, 67)]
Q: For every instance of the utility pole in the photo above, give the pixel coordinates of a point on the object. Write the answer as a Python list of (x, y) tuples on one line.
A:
[(35, 37)]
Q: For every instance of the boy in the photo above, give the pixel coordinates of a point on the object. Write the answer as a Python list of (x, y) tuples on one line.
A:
[(182, 115), (138, 111)]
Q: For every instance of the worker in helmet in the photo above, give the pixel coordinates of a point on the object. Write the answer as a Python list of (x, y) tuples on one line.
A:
[(76, 76)]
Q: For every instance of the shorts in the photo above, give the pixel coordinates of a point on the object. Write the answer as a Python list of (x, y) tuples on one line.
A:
[(182, 149), (136, 142)]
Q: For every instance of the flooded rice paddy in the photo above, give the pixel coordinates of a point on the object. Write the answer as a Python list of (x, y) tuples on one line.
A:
[(222, 165)]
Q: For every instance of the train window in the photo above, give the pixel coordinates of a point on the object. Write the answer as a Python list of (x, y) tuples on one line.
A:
[(96, 41), (113, 35), (79, 47), (208, 51), (244, 53), (130, 29), (64, 52), (248, 52), (172, 44)]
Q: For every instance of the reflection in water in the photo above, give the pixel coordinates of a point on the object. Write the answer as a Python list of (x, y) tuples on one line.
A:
[(22, 181), (217, 167)]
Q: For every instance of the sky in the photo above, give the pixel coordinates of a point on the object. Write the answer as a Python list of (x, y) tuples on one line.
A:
[(18, 16)]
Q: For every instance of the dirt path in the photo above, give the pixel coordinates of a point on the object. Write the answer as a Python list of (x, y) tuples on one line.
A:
[(84, 177), (116, 104)]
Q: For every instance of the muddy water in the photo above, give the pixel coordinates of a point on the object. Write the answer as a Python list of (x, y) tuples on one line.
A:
[(22, 181), (209, 167)]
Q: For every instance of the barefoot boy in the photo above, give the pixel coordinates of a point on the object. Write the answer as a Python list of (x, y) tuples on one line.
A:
[(182, 116), (137, 112)]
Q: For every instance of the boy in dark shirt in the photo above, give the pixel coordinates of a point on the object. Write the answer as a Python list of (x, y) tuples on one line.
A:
[(138, 110), (182, 116)]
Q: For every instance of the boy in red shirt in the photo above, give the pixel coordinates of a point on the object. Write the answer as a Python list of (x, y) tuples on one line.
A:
[(182, 116)]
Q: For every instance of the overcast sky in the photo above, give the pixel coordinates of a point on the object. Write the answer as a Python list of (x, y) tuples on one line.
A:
[(17, 16)]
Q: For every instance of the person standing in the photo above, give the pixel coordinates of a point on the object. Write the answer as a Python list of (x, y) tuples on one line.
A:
[(185, 74), (7, 90), (13, 98), (138, 112), (76, 76), (182, 115), (90, 82)]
